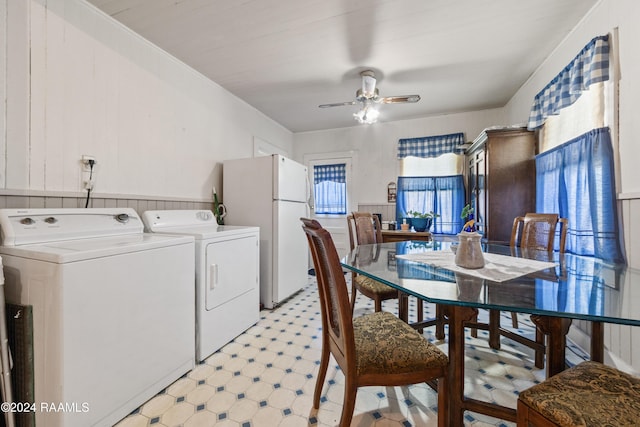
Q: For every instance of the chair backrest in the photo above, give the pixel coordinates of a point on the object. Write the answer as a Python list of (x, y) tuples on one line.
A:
[(367, 228), (337, 324), (538, 231), (351, 226)]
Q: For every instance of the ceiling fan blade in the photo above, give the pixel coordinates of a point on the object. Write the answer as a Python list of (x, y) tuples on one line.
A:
[(399, 99), (338, 104)]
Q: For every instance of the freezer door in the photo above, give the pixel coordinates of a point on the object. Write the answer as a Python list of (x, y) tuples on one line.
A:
[(290, 181), (290, 250)]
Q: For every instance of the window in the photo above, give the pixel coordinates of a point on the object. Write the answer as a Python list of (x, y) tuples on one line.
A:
[(443, 195), (330, 188), (575, 172), (431, 180)]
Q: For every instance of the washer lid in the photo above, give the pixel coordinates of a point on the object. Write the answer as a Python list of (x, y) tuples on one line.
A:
[(61, 252)]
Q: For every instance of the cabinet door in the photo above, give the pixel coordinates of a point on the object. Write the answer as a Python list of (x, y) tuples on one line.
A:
[(481, 202), (476, 185)]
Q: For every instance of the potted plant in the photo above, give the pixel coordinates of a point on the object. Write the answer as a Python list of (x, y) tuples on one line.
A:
[(422, 221), (467, 216)]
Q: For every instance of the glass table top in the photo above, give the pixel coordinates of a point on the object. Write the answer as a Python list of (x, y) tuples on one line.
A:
[(576, 287)]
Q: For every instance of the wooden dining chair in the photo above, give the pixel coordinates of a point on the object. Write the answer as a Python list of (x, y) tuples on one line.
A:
[(589, 394), (364, 229), (377, 349), (535, 231)]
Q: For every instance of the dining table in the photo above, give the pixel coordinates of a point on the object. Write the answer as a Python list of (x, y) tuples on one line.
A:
[(554, 288)]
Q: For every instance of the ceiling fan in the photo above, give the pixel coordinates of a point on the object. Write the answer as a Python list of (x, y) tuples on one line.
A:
[(368, 98)]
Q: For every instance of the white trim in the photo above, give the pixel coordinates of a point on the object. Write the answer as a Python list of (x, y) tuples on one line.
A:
[(264, 148), (629, 196), (583, 341), (350, 158), (81, 194)]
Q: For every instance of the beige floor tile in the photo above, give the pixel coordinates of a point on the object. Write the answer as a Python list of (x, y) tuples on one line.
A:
[(178, 414), (158, 405), (201, 419)]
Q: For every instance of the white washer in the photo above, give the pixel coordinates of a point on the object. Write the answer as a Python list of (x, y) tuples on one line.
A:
[(112, 309), (227, 278)]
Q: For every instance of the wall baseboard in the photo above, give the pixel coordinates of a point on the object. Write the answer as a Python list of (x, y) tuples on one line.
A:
[(583, 341)]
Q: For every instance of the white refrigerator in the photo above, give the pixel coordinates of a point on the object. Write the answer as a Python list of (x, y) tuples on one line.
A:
[(271, 192)]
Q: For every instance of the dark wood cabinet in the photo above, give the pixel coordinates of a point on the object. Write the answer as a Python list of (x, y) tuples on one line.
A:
[(501, 179)]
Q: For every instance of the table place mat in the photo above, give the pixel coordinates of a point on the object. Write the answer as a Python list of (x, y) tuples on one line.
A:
[(497, 268)]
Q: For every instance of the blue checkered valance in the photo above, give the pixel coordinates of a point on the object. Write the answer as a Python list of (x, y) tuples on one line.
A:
[(333, 173), (429, 146), (589, 67)]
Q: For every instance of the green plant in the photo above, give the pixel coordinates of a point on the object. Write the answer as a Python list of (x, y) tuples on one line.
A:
[(417, 214), (467, 215), (466, 211)]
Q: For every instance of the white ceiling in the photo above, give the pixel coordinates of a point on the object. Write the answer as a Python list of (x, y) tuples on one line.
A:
[(285, 57)]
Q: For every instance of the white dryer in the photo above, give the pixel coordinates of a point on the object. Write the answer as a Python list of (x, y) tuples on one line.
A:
[(227, 274), (112, 309)]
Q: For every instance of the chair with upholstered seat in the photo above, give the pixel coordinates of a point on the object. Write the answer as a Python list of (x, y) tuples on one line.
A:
[(534, 231), (364, 229), (376, 349), (589, 394)]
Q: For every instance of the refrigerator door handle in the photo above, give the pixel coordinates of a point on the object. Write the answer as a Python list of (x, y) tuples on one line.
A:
[(309, 195)]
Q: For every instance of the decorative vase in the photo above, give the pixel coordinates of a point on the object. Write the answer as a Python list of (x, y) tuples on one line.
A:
[(469, 252)]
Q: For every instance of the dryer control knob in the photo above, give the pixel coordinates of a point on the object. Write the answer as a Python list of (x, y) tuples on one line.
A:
[(27, 221), (123, 217), (50, 220)]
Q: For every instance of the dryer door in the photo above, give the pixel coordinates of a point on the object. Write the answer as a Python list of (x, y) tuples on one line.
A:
[(231, 269)]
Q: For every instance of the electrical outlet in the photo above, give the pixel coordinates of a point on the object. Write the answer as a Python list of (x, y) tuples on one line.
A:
[(85, 162)]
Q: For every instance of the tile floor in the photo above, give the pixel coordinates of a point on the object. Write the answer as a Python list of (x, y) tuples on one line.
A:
[(266, 377)]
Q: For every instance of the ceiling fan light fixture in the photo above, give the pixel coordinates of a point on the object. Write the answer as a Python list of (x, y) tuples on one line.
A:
[(369, 100), (368, 84), (368, 114)]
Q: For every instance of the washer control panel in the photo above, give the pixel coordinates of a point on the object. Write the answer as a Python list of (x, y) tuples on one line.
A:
[(30, 226)]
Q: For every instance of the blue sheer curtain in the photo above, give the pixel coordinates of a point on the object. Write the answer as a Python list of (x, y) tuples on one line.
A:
[(442, 195), (577, 180), (330, 189)]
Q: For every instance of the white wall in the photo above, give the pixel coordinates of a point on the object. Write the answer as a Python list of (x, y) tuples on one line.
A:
[(376, 145), (3, 87), (602, 19), (80, 83)]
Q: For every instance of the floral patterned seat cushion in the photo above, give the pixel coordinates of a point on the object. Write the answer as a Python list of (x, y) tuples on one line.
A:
[(386, 344), (589, 394), (375, 287)]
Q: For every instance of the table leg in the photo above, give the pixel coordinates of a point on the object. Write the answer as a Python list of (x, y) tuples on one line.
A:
[(494, 329), (597, 341), (457, 315), (441, 321), (403, 306), (556, 328)]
